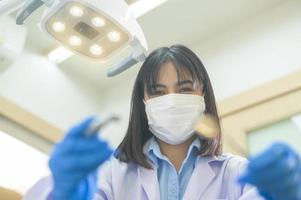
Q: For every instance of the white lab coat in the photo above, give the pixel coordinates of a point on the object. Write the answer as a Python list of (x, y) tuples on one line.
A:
[(214, 178)]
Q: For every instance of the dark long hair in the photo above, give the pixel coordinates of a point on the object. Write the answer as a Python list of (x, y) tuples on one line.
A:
[(185, 61)]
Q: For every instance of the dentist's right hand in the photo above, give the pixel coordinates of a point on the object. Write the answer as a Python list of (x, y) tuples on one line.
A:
[(74, 163)]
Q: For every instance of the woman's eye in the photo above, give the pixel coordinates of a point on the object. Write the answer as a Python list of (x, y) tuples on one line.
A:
[(183, 90), (158, 93)]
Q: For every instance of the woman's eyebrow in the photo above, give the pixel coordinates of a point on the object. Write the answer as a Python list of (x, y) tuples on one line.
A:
[(157, 86), (184, 82)]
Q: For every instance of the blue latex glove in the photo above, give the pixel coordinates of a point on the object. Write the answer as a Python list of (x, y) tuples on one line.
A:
[(74, 163), (276, 173)]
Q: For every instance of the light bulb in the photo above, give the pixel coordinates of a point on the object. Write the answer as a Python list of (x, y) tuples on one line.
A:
[(76, 11), (58, 26), (96, 50), (114, 36), (75, 41), (98, 22)]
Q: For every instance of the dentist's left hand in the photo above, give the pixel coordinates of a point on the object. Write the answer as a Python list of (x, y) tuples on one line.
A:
[(74, 163), (276, 173)]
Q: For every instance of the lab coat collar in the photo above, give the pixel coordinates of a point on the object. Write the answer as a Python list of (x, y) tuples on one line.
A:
[(202, 176), (149, 181), (152, 150)]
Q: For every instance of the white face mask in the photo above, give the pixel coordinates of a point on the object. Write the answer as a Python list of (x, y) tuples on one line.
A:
[(171, 117)]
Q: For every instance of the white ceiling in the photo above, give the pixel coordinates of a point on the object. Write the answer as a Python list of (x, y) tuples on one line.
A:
[(176, 21)]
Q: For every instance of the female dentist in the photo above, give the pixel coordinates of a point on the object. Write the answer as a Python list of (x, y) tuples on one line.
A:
[(161, 157)]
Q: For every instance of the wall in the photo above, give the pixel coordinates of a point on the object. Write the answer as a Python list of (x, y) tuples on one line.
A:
[(42, 87), (61, 99), (263, 48)]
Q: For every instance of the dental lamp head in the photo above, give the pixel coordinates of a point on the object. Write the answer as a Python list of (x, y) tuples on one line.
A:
[(96, 29)]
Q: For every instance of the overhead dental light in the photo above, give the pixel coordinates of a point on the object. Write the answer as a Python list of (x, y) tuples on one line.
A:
[(58, 26), (97, 29), (137, 7)]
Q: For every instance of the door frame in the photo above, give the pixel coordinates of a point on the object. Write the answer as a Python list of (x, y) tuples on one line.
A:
[(28, 120)]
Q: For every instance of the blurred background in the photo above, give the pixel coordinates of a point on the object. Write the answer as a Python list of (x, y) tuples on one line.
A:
[(251, 49)]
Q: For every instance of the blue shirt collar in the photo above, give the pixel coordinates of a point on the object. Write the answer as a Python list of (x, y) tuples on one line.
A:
[(152, 150)]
